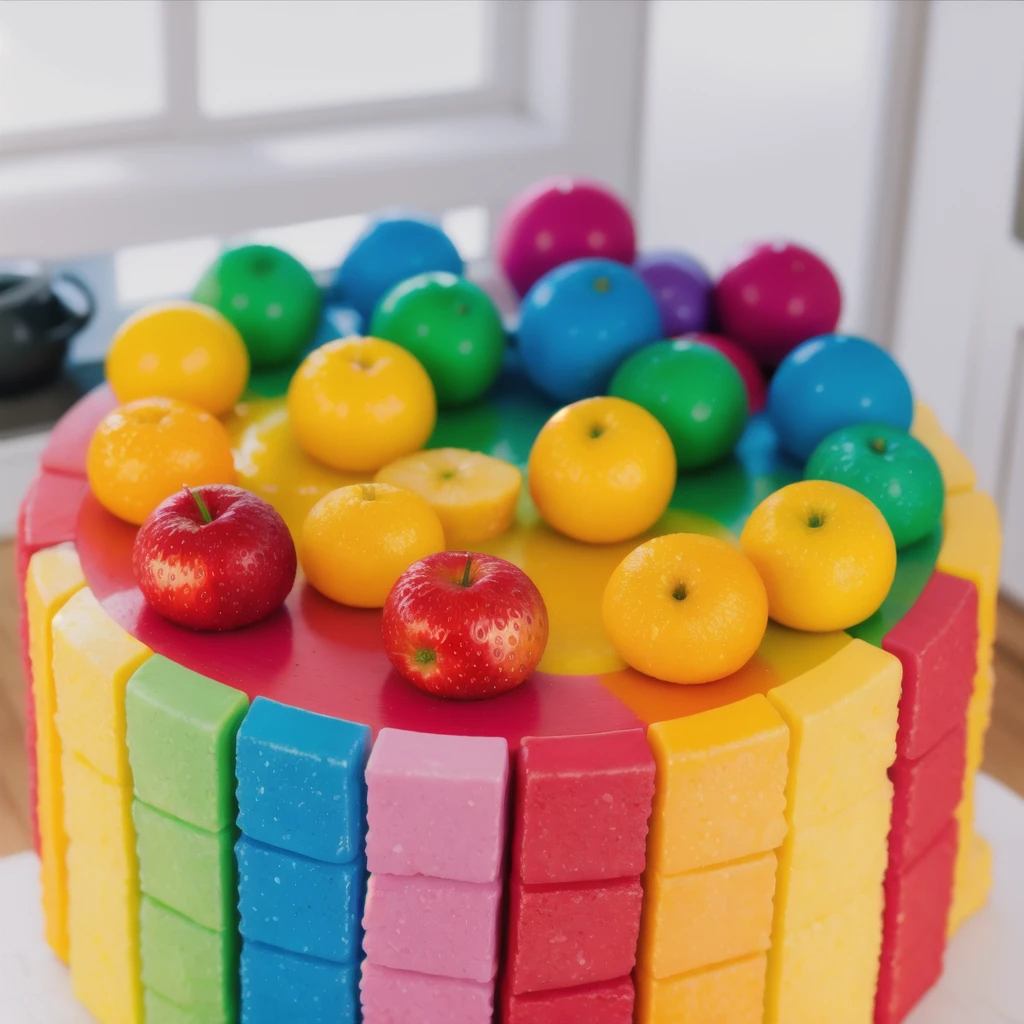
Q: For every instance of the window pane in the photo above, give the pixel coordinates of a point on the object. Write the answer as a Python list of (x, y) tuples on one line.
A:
[(77, 62), (268, 56)]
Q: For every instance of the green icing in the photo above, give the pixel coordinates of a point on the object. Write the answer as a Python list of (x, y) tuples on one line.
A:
[(163, 1011), (181, 742), (189, 869), (914, 567), (194, 966)]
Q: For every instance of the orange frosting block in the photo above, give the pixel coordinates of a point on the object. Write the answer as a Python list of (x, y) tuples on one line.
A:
[(93, 659), (718, 815), (957, 472), (54, 575), (827, 931)]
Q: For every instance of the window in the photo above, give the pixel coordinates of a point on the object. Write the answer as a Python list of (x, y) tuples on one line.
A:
[(127, 124)]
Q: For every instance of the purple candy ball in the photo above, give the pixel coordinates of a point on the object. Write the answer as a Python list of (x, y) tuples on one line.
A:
[(682, 289)]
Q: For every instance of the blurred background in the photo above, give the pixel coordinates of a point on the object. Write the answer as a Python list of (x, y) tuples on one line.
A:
[(139, 137)]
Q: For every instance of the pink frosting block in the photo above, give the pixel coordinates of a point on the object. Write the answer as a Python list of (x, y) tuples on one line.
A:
[(436, 805), (433, 925), (404, 997)]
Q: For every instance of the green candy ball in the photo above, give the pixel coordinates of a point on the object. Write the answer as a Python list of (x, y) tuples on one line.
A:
[(269, 296), (892, 469), (693, 391), (451, 326)]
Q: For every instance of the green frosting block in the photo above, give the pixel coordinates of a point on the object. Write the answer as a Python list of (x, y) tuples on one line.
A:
[(186, 868), (181, 742), (190, 965), (163, 1011)]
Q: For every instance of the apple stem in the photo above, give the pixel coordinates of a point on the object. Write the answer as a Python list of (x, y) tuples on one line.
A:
[(203, 510), (465, 574)]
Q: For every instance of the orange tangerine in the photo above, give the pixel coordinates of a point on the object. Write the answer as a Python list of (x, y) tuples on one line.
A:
[(144, 451), (357, 540), (825, 553), (357, 404), (179, 350), (685, 608), (602, 470), (474, 495)]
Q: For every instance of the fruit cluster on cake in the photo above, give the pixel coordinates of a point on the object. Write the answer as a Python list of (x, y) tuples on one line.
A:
[(333, 719)]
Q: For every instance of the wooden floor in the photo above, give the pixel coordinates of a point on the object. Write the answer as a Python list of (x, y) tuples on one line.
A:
[(1004, 753)]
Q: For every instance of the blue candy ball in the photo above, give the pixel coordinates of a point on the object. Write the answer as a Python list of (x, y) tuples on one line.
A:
[(579, 321), (834, 381), (391, 250)]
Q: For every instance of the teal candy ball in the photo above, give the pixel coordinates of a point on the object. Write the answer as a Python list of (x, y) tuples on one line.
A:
[(892, 469)]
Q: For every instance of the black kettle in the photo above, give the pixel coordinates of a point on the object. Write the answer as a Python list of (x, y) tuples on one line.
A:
[(39, 314)]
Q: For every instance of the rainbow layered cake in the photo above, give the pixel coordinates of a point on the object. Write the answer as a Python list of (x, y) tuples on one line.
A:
[(622, 678)]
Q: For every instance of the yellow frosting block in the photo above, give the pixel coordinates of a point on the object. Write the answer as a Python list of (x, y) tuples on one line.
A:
[(718, 815), (54, 574), (823, 867), (731, 993), (827, 932), (93, 658), (103, 912), (828, 970), (842, 722), (957, 472), (972, 880)]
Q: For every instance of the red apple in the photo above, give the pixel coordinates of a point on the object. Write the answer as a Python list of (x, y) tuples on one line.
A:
[(214, 558), (464, 625)]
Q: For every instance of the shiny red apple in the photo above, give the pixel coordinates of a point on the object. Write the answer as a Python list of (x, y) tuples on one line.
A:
[(214, 558), (464, 625)]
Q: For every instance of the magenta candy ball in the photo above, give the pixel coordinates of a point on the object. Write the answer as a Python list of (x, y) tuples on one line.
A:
[(753, 379), (775, 297), (560, 220)]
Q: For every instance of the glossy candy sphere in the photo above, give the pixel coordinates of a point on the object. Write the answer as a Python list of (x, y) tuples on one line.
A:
[(579, 322), (451, 326), (825, 553), (270, 297), (835, 381), (891, 468), (560, 220), (681, 287), (753, 378), (180, 350), (776, 296), (357, 404), (685, 608), (390, 250), (694, 392)]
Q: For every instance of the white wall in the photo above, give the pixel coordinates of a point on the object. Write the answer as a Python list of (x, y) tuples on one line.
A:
[(762, 122)]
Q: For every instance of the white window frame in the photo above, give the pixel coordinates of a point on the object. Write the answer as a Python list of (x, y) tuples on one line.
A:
[(564, 96)]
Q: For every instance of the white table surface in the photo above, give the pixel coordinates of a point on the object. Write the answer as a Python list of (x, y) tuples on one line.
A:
[(983, 982)]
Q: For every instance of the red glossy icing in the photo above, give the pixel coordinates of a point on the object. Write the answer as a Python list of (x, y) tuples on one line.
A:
[(69, 439), (610, 1002), (330, 659)]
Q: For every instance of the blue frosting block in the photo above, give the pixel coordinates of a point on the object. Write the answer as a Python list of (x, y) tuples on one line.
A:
[(278, 987), (298, 904), (301, 781)]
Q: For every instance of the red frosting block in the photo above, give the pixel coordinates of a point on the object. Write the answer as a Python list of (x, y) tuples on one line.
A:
[(926, 792), (610, 1002), (582, 804), (936, 642), (917, 902), (572, 935)]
